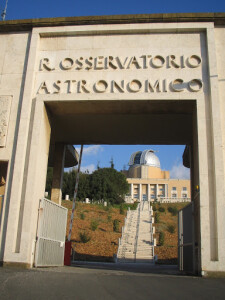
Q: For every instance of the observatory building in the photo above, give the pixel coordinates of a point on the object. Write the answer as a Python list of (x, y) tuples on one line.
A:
[(148, 182)]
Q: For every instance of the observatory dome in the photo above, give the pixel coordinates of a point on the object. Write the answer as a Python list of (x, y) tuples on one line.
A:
[(146, 157)]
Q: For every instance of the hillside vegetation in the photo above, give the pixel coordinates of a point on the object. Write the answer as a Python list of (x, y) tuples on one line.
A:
[(166, 225), (100, 225), (97, 229)]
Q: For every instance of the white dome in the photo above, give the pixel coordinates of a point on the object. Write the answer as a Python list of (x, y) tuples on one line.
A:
[(147, 157)]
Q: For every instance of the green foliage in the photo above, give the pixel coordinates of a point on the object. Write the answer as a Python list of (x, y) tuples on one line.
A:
[(132, 206), (82, 216), (109, 218), (161, 238), (171, 228), (173, 210), (161, 209), (156, 217), (84, 237), (154, 207), (108, 207), (69, 179), (108, 184), (104, 183), (122, 209), (116, 225), (94, 225)]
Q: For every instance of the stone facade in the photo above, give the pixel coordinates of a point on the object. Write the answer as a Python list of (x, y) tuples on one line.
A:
[(113, 80), (149, 183)]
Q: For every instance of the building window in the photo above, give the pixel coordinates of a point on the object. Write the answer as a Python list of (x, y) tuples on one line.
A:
[(184, 188), (136, 196), (184, 196), (174, 188), (174, 195)]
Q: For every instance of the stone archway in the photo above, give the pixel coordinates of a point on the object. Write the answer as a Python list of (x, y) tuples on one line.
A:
[(130, 83)]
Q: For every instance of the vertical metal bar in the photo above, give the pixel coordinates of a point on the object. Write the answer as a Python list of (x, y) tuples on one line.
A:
[(75, 194)]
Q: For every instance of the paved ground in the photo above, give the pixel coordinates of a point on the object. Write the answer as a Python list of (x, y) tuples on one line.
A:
[(106, 281)]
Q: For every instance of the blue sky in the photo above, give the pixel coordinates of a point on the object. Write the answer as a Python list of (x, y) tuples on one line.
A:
[(27, 9), (170, 156)]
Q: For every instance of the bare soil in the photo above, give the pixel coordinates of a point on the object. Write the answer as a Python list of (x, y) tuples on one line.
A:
[(167, 253), (103, 243)]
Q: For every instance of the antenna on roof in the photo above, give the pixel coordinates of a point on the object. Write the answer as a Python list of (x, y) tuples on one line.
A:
[(4, 11)]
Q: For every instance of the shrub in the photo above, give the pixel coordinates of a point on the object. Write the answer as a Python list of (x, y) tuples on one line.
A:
[(161, 209), (134, 206), (171, 228), (84, 237), (109, 218), (122, 209), (154, 207), (161, 238), (173, 210), (156, 217), (94, 225), (82, 216), (116, 225)]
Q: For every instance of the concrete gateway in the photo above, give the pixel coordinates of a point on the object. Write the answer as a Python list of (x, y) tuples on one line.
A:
[(110, 80)]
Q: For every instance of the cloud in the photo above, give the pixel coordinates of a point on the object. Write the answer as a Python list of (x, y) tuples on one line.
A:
[(178, 171), (91, 150), (89, 168)]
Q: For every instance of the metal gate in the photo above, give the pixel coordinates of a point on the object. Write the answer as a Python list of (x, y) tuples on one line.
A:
[(186, 239), (51, 234)]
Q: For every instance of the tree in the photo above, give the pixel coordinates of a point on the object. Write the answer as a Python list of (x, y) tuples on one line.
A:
[(69, 179), (112, 163), (104, 183), (108, 184)]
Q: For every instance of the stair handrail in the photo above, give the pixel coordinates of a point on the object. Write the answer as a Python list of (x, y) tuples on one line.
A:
[(137, 230)]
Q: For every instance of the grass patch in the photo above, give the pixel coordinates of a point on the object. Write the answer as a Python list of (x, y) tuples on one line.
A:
[(84, 237), (171, 228), (161, 209), (82, 216), (94, 225), (116, 226), (156, 217), (161, 238), (173, 210)]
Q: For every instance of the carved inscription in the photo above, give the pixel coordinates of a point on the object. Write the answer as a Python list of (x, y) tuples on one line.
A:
[(5, 103), (116, 86), (138, 84), (121, 63)]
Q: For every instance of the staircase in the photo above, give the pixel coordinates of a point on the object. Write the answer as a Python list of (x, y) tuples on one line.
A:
[(137, 243)]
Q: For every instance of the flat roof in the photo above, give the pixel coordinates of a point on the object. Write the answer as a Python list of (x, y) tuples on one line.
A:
[(23, 25)]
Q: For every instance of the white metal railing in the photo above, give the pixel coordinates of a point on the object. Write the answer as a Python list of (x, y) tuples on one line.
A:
[(137, 231), (173, 200), (51, 234)]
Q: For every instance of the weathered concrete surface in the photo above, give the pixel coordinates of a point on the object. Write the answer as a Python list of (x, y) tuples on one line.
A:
[(96, 283)]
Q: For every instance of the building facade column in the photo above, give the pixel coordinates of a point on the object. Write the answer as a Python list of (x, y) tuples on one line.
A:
[(166, 190), (132, 190), (156, 191), (149, 195), (58, 168), (140, 192)]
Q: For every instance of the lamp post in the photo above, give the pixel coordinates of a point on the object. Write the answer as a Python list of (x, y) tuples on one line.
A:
[(4, 11)]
